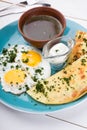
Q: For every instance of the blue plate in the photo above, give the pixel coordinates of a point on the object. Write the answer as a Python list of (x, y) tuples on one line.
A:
[(11, 35)]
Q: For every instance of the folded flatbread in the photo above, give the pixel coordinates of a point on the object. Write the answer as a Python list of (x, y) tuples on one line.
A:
[(65, 86), (80, 47)]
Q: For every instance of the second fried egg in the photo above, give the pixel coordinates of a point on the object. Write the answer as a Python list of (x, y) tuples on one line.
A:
[(15, 79)]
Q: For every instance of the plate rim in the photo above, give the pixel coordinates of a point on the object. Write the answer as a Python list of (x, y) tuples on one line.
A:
[(41, 112)]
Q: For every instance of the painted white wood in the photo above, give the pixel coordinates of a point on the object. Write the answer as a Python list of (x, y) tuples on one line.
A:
[(73, 118)]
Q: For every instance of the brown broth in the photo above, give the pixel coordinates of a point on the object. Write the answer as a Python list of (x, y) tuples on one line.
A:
[(42, 27)]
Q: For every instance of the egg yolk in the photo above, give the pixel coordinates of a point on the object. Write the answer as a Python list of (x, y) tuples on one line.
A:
[(14, 77), (31, 58)]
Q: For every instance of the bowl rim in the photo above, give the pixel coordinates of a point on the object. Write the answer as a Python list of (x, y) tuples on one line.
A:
[(58, 55), (50, 8)]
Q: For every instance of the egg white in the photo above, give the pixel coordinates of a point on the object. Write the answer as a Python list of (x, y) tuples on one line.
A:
[(41, 72), (15, 89)]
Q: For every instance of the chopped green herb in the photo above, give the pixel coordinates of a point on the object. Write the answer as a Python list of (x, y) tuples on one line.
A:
[(38, 71), (27, 68), (17, 66), (12, 66), (17, 83), (45, 82), (67, 80), (4, 51), (83, 62), (12, 56), (75, 57), (67, 88), (15, 49), (85, 40), (24, 52), (26, 86), (4, 63), (83, 51), (79, 36), (20, 88), (25, 75), (16, 45), (35, 79), (3, 69), (65, 72), (56, 50), (25, 60), (9, 44), (40, 87)]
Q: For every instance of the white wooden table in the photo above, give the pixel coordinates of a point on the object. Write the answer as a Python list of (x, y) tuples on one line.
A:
[(72, 118)]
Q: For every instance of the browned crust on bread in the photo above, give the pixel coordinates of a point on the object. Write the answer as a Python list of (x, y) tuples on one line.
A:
[(80, 47)]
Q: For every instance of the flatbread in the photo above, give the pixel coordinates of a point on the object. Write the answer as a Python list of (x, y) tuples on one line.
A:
[(80, 47), (80, 36), (65, 86)]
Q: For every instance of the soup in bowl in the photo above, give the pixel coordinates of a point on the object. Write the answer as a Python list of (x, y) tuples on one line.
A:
[(41, 24)]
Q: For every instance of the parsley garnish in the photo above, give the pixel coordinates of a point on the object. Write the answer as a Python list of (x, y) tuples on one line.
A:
[(40, 87), (83, 62), (25, 60), (4, 51), (12, 56), (67, 80)]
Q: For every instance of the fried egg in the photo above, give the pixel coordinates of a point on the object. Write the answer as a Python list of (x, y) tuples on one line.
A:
[(31, 59), (15, 79), (21, 66)]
